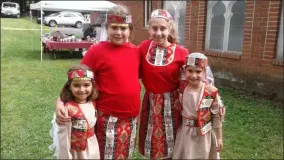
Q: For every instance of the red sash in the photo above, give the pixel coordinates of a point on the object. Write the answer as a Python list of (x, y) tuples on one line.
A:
[(204, 119), (80, 130)]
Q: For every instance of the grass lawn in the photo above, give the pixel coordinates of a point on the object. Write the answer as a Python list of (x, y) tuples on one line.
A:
[(253, 127)]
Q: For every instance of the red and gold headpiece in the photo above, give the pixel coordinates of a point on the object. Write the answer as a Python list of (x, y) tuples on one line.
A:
[(119, 20), (80, 75), (196, 60), (160, 13)]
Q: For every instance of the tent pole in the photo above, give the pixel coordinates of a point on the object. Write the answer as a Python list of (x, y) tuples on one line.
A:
[(31, 16), (40, 30)]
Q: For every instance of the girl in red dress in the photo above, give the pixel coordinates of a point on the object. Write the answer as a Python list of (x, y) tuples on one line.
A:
[(161, 63), (115, 64)]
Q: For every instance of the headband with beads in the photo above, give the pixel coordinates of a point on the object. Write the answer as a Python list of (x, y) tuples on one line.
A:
[(119, 20), (80, 75)]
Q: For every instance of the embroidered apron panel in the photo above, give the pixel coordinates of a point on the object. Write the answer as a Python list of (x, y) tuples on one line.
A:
[(162, 117), (116, 136)]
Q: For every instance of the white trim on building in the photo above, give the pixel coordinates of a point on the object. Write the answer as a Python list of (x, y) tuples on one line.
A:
[(226, 28)]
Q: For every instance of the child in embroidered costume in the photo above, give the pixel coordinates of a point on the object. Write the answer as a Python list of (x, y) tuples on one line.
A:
[(116, 67), (202, 111), (162, 59), (76, 139)]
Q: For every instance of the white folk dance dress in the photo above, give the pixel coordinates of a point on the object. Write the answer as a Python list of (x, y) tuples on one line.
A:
[(63, 134), (190, 144)]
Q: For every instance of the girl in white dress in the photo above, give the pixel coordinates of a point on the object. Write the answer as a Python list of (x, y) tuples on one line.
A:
[(202, 112), (77, 139)]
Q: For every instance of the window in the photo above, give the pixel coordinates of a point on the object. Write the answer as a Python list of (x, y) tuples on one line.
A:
[(147, 11), (280, 38), (225, 25), (177, 9), (69, 15)]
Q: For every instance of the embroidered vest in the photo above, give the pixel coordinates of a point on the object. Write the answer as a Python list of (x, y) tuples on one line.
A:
[(204, 120), (80, 130), (160, 56)]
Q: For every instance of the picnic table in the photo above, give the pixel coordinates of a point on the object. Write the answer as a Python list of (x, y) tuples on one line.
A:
[(53, 46)]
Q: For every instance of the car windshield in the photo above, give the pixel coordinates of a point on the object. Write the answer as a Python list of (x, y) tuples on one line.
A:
[(54, 14), (73, 14), (6, 5)]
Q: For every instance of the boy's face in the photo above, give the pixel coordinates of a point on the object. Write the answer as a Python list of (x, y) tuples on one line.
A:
[(194, 75), (118, 34)]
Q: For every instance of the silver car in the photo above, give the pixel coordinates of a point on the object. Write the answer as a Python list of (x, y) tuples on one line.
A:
[(64, 18)]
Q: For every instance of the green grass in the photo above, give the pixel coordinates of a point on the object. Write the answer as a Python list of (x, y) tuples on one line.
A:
[(253, 127)]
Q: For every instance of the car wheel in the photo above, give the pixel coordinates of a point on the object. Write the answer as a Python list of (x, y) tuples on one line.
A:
[(52, 23), (18, 16), (78, 24)]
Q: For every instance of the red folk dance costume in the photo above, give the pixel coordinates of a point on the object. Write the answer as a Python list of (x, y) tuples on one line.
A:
[(116, 71), (161, 110)]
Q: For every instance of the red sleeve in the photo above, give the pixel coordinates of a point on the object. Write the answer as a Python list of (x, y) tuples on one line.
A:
[(141, 47), (140, 65), (88, 59), (182, 83)]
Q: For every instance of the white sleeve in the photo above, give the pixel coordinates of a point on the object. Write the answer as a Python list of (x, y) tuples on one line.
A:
[(64, 139)]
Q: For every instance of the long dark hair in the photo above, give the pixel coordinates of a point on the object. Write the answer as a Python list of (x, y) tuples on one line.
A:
[(66, 94)]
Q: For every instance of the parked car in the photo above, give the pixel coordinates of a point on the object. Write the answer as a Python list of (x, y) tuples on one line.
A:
[(64, 18), (10, 9)]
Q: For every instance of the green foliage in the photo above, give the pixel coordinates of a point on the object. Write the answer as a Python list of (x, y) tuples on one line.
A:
[(253, 127)]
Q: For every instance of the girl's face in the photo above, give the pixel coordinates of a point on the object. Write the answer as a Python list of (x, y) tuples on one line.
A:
[(118, 34), (81, 89), (159, 31), (194, 75)]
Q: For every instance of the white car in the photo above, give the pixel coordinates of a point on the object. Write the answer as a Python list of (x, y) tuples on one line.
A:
[(64, 18), (10, 9)]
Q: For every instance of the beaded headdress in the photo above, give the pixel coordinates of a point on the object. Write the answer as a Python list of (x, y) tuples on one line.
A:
[(196, 60), (80, 75), (119, 20), (160, 13)]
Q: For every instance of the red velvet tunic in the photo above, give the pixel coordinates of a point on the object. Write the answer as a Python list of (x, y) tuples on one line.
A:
[(160, 79), (116, 75)]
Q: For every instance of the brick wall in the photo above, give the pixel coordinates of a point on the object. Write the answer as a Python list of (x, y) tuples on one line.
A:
[(256, 70)]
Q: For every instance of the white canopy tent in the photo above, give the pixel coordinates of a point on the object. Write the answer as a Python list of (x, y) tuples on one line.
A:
[(78, 6)]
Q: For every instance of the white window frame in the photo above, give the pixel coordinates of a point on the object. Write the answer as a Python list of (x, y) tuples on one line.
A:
[(227, 15), (280, 37), (178, 5), (147, 11)]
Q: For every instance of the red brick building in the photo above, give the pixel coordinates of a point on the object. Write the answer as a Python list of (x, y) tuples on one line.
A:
[(243, 39)]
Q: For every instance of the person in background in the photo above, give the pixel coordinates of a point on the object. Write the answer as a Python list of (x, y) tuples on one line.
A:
[(202, 111), (161, 63)]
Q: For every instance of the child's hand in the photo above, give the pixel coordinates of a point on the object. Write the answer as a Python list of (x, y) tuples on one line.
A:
[(61, 115), (219, 145)]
